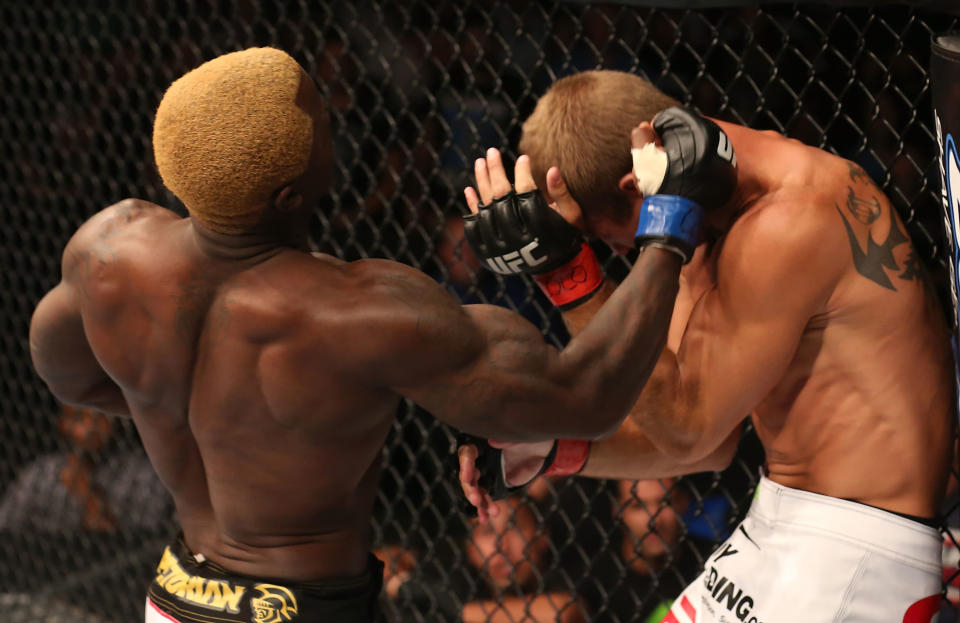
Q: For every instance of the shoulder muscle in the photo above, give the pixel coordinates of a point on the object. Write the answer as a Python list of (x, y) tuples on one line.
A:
[(782, 255), (395, 323), (91, 240)]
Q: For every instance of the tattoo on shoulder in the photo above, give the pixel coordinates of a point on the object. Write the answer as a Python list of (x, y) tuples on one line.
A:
[(873, 261), (866, 211), (857, 174)]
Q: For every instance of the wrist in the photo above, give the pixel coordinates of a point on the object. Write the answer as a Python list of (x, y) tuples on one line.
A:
[(575, 282), (570, 456), (671, 222)]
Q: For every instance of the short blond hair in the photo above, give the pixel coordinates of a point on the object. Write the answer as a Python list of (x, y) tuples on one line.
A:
[(229, 133), (582, 125)]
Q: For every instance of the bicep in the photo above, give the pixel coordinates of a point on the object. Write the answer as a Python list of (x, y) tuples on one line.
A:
[(743, 334), (731, 357)]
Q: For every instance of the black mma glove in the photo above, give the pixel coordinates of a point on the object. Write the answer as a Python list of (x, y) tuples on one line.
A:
[(520, 233), (566, 457), (697, 167), (701, 164)]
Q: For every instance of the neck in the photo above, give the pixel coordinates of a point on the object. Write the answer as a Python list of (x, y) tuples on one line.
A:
[(753, 173), (250, 245)]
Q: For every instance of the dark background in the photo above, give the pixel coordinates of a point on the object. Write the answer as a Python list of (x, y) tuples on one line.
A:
[(417, 90)]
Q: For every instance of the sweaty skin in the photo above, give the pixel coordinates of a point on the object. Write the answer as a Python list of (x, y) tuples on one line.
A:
[(263, 380), (806, 307), (812, 312)]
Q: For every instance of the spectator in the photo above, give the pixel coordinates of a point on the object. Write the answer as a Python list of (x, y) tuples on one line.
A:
[(511, 554)]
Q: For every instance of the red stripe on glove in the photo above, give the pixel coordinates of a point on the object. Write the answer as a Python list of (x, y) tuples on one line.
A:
[(574, 282), (570, 458)]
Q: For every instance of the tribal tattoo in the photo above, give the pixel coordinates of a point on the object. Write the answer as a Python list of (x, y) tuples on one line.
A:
[(863, 210), (858, 175), (878, 256)]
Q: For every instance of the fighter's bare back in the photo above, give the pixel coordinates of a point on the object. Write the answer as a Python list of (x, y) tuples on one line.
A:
[(271, 454)]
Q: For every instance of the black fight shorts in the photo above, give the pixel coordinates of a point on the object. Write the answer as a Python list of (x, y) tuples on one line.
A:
[(186, 590)]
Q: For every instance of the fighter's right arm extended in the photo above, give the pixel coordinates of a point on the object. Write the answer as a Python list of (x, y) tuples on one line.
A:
[(488, 371)]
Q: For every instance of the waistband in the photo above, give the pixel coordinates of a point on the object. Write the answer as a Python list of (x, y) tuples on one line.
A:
[(190, 588), (873, 528)]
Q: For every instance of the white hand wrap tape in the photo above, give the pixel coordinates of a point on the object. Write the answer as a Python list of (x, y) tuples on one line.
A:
[(649, 168)]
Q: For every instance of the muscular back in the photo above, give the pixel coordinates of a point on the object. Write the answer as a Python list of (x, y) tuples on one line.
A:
[(231, 369), (862, 409)]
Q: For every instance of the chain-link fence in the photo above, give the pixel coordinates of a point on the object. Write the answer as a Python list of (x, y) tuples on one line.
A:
[(416, 91)]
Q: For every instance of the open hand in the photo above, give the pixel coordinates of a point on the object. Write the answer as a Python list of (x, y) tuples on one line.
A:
[(492, 181), (469, 483)]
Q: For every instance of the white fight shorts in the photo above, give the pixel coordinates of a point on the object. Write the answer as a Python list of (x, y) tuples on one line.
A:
[(804, 557)]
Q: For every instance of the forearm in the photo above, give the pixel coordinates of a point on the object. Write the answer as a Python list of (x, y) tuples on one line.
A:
[(521, 389), (608, 362), (630, 454), (577, 318)]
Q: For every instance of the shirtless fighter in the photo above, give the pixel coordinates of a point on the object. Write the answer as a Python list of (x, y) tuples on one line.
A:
[(805, 305), (263, 379)]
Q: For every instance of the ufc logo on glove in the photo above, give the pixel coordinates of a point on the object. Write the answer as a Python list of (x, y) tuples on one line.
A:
[(517, 261)]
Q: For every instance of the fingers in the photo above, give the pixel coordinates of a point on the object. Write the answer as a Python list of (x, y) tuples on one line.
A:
[(482, 176), (469, 475), (642, 135), (492, 180), (522, 177), (490, 508), (473, 200), (564, 202), (499, 183), (468, 469)]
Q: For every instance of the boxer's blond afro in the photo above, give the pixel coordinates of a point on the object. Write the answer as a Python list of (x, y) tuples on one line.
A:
[(228, 134)]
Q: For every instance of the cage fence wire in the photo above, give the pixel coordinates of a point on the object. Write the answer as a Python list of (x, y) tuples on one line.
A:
[(416, 91)]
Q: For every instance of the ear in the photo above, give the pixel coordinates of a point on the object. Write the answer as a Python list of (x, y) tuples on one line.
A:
[(628, 186), (287, 200)]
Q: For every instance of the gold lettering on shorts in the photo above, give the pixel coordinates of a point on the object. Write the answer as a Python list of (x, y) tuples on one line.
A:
[(212, 594)]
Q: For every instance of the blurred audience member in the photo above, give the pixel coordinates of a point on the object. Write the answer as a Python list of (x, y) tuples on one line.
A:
[(650, 511), (87, 432), (512, 553)]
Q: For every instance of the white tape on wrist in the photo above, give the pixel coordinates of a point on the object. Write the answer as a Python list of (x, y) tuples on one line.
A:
[(649, 168)]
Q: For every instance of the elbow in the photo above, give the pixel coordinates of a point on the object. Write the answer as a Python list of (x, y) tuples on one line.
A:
[(679, 448), (682, 443), (70, 396), (722, 457), (704, 454), (720, 460)]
